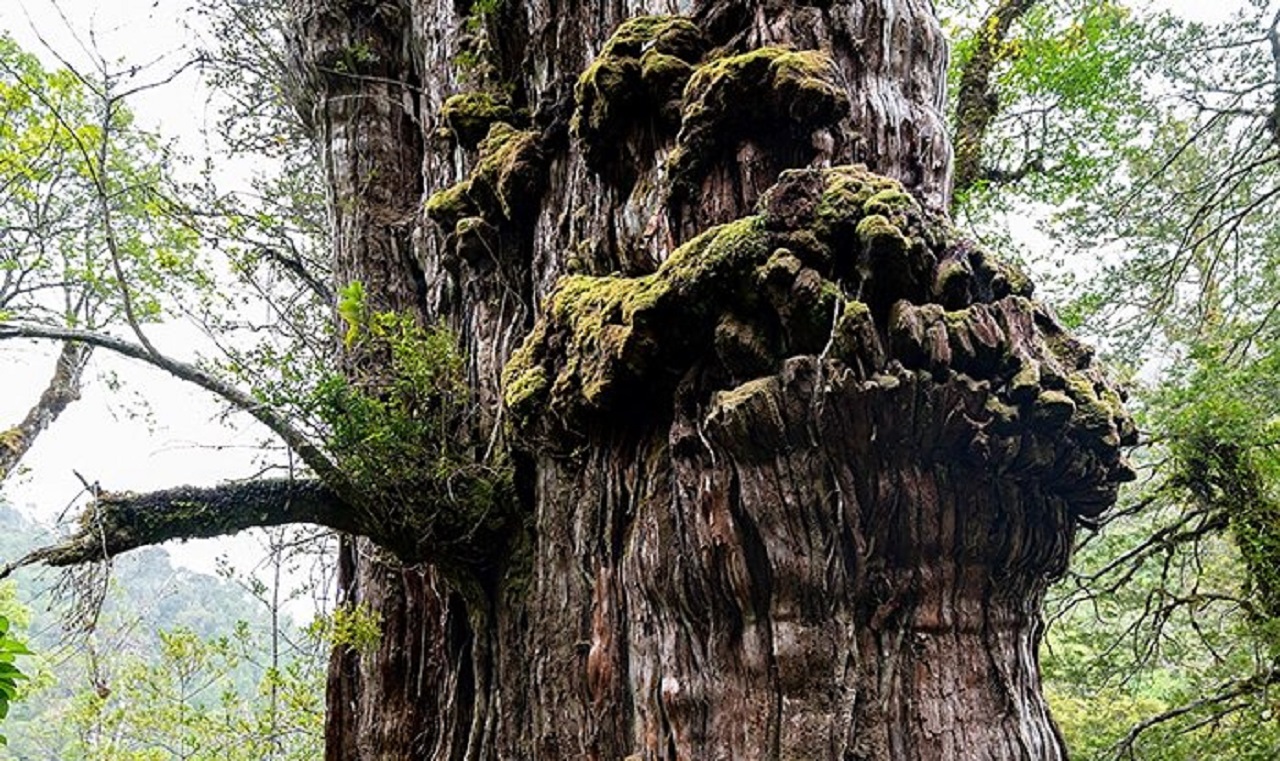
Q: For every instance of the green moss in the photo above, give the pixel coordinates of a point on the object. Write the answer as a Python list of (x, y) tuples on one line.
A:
[(844, 196), (1025, 384), (470, 115), (728, 401), (883, 242), (889, 202), (781, 269), (509, 169), (616, 332), (1093, 414), (670, 35), (640, 72), (11, 439), (526, 391), (952, 283), (504, 185), (1004, 417), (448, 206), (1053, 408), (855, 338), (770, 92)]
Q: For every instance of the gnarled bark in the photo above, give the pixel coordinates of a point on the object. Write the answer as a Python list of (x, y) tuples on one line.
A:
[(793, 490)]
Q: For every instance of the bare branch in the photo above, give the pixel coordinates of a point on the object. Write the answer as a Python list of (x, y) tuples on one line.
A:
[(268, 416), (1273, 36), (118, 522)]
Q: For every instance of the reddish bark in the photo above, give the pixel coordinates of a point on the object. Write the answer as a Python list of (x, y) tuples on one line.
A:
[(746, 537)]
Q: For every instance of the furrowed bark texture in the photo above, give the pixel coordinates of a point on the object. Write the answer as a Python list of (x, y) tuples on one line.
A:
[(790, 487)]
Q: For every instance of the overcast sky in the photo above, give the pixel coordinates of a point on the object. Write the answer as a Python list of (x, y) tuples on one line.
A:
[(102, 436)]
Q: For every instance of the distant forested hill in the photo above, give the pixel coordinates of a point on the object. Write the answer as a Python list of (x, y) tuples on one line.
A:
[(175, 658)]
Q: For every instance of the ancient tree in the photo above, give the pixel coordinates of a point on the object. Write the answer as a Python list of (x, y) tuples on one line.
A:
[(757, 456)]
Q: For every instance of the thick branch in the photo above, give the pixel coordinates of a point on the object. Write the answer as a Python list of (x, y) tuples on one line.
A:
[(272, 419), (63, 389), (976, 104), (116, 523)]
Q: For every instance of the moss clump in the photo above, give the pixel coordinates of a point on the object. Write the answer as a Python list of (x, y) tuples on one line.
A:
[(613, 333), (640, 73), (509, 171), (881, 240), (447, 207), (771, 92), (1052, 408), (468, 116), (526, 390), (11, 439), (855, 339), (504, 186), (889, 202), (952, 286)]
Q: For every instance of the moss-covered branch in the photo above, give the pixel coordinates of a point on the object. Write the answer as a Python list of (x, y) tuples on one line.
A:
[(118, 522), (62, 389), (976, 103)]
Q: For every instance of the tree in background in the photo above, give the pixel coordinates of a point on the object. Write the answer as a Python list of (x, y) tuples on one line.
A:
[(88, 235), (1166, 130)]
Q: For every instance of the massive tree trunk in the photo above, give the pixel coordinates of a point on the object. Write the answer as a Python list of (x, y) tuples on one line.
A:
[(793, 467)]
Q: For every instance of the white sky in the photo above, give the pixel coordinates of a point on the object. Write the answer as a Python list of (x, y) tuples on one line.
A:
[(100, 435), (176, 437)]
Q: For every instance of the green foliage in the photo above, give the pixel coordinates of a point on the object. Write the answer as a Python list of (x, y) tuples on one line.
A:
[(179, 665), (351, 308), (187, 704), (86, 199), (357, 627), (1069, 82), (405, 435), (1153, 172), (10, 675)]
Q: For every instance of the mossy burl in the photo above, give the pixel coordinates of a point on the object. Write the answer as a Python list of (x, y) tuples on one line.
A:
[(640, 73), (767, 90), (597, 334), (604, 321), (502, 186), (469, 115), (603, 343)]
